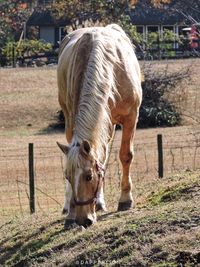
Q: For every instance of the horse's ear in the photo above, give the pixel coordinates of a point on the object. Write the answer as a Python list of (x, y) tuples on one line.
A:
[(64, 148), (85, 148)]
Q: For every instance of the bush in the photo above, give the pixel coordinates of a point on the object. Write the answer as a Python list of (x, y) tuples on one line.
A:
[(24, 48), (157, 109)]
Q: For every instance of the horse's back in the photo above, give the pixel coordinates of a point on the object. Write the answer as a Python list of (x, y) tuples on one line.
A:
[(120, 53)]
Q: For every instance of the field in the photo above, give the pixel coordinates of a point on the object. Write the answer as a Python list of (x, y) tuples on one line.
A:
[(164, 228)]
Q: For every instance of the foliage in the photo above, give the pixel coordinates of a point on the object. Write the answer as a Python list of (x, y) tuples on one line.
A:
[(167, 41), (84, 13), (156, 109), (25, 48), (89, 12), (163, 43), (12, 15)]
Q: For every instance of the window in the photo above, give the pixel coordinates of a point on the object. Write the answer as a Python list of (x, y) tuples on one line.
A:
[(45, 2), (169, 28), (62, 33), (183, 30), (140, 29), (152, 29), (169, 36), (153, 36)]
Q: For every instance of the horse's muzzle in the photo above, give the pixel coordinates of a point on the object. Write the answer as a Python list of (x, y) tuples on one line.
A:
[(85, 223)]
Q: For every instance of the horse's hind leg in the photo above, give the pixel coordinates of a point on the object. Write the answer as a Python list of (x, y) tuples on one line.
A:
[(126, 156)]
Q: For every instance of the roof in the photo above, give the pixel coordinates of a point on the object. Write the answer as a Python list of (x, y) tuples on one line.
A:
[(45, 18), (174, 13), (145, 14)]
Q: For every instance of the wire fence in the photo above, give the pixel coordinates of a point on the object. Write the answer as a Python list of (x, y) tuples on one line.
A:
[(181, 151)]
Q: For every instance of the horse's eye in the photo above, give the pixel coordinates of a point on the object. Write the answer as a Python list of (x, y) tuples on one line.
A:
[(88, 177)]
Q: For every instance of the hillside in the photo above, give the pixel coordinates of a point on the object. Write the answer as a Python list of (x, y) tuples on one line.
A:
[(163, 230)]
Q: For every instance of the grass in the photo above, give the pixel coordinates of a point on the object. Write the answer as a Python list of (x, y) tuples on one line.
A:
[(165, 234), (28, 96), (163, 230)]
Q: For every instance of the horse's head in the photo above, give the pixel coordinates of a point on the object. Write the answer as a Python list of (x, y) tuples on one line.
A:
[(85, 175)]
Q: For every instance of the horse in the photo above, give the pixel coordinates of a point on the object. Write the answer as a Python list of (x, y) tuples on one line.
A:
[(99, 86)]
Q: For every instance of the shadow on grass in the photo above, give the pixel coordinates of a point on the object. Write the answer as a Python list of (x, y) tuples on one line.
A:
[(59, 127), (53, 128), (29, 245)]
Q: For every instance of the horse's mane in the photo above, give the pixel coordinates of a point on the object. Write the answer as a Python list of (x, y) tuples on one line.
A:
[(91, 83)]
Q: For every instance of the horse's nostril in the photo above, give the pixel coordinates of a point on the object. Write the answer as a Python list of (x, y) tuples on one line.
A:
[(87, 223)]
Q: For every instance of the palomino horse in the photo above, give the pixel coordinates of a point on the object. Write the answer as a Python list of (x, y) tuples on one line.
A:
[(99, 85)]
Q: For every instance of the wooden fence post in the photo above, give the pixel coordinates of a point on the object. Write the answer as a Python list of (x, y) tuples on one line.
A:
[(160, 156), (31, 178), (13, 56)]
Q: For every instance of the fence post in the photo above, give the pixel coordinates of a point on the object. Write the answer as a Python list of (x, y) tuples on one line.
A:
[(13, 56), (160, 156), (31, 178)]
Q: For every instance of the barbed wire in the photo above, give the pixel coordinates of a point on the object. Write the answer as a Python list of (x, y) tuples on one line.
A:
[(181, 151)]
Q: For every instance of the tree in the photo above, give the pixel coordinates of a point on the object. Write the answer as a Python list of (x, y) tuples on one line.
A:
[(80, 12), (12, 15), (189, 9)]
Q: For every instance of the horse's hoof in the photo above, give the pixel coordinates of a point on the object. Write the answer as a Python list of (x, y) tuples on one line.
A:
[(69, 224), (122, 206), (100, 206)]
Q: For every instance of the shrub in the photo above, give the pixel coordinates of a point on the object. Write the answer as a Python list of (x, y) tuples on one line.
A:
[(157, 109), (24, 48)]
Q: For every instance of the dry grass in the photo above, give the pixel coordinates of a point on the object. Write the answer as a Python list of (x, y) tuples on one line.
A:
[(28, 100), (181, 152), (28, 97), (162, 231)]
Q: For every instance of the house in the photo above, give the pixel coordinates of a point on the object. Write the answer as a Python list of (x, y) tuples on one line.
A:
[(50, 29), (146, 18), (149, 19)]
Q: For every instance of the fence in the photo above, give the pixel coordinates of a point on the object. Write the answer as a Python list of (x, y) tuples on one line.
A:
[(181, 151), (143, 54)]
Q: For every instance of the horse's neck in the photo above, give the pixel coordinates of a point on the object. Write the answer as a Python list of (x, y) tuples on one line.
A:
[(95, 86), (98, 133)]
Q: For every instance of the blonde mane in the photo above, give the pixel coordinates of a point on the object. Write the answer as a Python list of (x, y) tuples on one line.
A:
[(91, 85)]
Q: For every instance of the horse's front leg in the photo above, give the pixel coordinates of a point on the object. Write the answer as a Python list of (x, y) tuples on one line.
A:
[(100, 205), (126, 156), (69, 206)]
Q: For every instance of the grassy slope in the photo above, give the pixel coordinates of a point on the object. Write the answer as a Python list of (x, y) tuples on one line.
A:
[(164, 230)]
